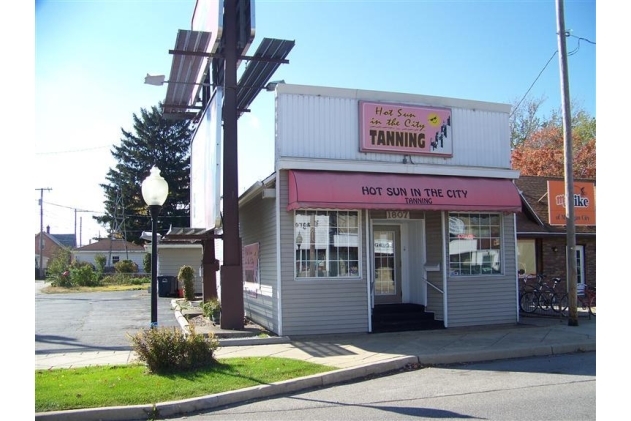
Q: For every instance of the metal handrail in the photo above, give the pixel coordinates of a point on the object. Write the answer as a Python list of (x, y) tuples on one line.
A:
[(434, 286)]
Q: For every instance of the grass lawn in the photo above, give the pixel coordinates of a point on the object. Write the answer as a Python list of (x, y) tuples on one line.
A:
[(103, 386)]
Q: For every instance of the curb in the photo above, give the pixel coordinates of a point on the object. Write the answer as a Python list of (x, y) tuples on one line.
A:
[(504, 354), (182, 407)]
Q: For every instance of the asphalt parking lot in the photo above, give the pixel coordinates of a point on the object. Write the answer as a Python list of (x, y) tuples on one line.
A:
[(93, 321)]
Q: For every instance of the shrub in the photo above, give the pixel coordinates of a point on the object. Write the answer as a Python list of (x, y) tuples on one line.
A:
[(125, 279), (211, 307), (169, 349), (79, 264), (139, 280), (84, 276), (101, 261), (126, 266), (186, 275), (146, 263), (58, 267)]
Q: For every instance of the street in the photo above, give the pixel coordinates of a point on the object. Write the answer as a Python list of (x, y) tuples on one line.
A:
[(560, 387), (93, 321)]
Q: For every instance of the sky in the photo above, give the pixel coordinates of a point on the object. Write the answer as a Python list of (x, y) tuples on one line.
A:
[(91, 58)]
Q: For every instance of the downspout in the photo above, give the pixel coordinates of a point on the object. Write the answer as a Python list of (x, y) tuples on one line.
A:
[(279, 283), (445, 249), (516, 272), (368, 268)]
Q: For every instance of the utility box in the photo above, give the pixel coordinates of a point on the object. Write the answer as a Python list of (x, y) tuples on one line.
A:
[(167, 286)]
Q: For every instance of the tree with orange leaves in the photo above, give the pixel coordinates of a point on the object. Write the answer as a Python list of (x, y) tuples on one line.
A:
[(540, 151)]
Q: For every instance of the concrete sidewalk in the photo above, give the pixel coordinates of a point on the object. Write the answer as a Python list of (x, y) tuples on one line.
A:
[(355, 356)]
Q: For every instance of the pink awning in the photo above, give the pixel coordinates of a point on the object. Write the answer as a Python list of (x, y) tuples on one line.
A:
[(348, 190)]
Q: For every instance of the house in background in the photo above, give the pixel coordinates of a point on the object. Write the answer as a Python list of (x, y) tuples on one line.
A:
[(47, 245), (542, 232), (115, 250)]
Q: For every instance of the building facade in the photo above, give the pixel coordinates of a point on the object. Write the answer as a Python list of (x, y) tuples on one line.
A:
[(542, 230), (381, 198)]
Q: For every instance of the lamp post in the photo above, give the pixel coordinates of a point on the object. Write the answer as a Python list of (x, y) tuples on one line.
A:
[(299, 243), (154, 192)]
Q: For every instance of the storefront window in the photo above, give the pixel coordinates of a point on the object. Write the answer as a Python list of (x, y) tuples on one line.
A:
[(326, 244), (475, 242), (526, 257)]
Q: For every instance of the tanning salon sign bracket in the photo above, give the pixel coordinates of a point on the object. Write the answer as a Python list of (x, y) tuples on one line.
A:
[(404, 129)]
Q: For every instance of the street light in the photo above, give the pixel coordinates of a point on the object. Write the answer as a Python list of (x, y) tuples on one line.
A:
[(154, 192)]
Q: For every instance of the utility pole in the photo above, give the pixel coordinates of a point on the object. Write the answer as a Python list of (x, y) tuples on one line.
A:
[(80, 242), (569, 176), (41, 230)]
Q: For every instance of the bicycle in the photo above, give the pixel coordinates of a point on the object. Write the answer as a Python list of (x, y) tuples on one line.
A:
[(541, 296), (554, 296), (546, 295), (528, 300), (585, 297)]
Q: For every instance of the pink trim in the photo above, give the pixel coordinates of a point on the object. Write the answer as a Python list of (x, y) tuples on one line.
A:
[(347, 190)]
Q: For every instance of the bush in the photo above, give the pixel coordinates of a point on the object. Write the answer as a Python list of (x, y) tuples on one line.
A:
[(186, 275), (126, 266), (169, 349), (146, 262), (101, 261), (83, 275), (211, 307), (58, 269), (125, 279)]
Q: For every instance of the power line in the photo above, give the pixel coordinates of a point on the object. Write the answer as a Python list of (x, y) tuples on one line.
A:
[(74, 208), (533, 83), (567, 34)]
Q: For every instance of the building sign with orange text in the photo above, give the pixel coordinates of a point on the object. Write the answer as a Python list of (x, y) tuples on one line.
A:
[(584, 200), (404, 129)]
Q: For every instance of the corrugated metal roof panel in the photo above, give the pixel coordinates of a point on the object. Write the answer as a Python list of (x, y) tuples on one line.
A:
[(271, 53), (184, 70)]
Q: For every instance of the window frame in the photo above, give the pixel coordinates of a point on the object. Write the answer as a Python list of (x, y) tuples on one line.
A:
[(349, 257), (485, 237)]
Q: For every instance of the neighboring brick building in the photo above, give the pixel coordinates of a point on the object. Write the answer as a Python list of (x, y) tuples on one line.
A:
[(51, 244), (540, 244)]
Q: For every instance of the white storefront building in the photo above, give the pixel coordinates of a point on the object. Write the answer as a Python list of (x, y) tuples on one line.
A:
[(380, 199)]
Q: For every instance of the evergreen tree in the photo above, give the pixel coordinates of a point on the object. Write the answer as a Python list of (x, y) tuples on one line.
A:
[(159, 142)]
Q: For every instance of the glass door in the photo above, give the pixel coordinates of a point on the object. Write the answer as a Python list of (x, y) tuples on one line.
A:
[(386, 264)]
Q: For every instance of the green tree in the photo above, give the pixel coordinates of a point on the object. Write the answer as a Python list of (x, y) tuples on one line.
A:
[(157, 141)]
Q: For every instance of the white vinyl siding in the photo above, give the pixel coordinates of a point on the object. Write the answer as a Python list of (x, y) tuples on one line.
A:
[(90, 257), (486, 299), (433, 235), (323, 305), (257, 220), (171, 259), (324, 124)]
